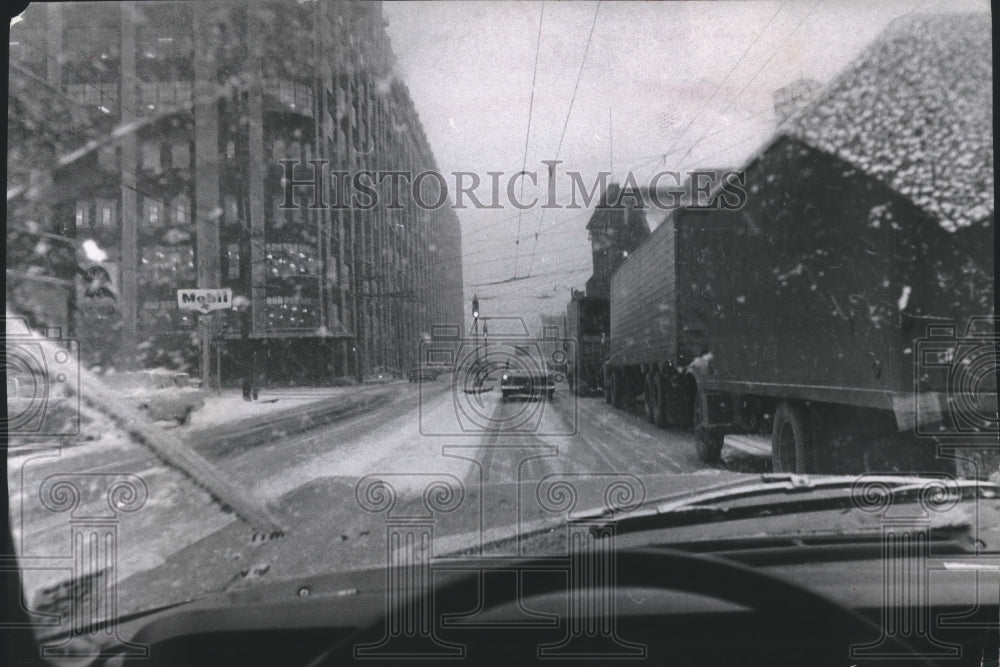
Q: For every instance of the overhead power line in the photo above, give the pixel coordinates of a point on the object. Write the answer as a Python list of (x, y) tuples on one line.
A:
[(569, 112), (527, 135), (749, 82), (719, 86)]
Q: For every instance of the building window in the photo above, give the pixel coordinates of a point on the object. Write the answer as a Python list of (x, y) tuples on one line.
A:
[(180, 211), (232, 210), (180, 155), (294, 95), (150, 156), (292, 312), (106, 213), (151, 213), (103, 96), (82, 214)]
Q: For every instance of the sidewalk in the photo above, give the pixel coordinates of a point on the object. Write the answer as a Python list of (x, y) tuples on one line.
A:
[(227, 422), (225, 418), (230, 407)]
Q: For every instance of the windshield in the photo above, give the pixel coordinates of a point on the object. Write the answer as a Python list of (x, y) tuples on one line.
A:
[(283, 275)]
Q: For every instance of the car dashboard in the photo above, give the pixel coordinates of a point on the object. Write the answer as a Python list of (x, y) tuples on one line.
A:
[(805, 609)]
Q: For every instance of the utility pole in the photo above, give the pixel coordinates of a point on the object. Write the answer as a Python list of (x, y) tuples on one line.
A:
[(475, 323)]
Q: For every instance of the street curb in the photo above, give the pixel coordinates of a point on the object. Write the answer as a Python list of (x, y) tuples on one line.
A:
[(221, 440)]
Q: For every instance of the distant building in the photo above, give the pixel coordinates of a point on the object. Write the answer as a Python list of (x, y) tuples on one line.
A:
[(794, 96), (617, 227), (194, 197)]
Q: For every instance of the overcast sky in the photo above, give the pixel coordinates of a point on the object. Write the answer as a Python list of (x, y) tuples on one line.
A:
[(693, 80)]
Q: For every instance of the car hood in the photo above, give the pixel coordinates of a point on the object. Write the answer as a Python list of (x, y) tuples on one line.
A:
[(533, 518)]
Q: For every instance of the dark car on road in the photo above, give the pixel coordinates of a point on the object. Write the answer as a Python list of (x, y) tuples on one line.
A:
[(527, 375)]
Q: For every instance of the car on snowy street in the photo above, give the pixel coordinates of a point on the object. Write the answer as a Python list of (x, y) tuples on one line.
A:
[(526, 374)]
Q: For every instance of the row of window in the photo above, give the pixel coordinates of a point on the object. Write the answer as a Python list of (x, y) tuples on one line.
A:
[(294, 95), (156, 213), (165, 315), (152, 97), (283, 260), (103, 213), (97, 214), (168, 264), (91, 40), (286, 260), (155, 156), (290, 312), (159, 96), (103, 96), (153, 44)]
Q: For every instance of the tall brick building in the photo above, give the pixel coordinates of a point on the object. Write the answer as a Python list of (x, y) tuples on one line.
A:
[(219, 93)]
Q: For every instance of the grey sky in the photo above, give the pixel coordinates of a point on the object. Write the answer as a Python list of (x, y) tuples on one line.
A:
[(694, 77)]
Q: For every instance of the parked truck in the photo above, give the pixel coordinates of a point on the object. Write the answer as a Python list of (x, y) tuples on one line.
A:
[(588, 325), (830, 313)]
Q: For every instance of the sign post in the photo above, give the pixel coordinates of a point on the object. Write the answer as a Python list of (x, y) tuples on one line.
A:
[(205, 301)]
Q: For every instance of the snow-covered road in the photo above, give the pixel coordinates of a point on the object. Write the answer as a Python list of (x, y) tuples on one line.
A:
[(180, 543)]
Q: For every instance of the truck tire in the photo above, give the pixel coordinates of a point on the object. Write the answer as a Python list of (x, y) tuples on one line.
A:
[(707, 442), (791, 441), (659, 401)]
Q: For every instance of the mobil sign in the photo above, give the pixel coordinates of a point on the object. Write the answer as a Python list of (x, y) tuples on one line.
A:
[(205, 300)]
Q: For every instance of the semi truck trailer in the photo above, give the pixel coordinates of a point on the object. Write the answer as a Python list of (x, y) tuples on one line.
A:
[(829, 312)]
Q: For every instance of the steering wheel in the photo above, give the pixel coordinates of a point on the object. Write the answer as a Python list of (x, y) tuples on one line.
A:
[(667, 569)]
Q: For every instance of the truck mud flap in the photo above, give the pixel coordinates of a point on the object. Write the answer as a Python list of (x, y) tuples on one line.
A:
[(720, 410)]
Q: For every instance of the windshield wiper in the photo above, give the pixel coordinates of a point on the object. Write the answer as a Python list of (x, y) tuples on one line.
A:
[(791, 493)]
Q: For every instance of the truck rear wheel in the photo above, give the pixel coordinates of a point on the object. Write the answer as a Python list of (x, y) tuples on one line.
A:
[(707, 442), (791, 441)]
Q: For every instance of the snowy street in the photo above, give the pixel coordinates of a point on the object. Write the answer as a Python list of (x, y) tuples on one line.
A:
[(310, 481)]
